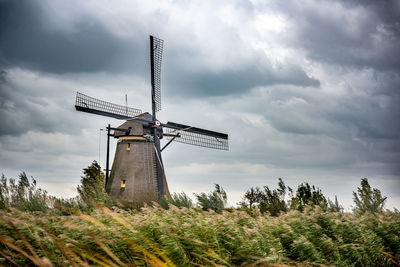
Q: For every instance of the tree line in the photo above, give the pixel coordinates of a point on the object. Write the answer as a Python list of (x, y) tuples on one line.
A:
[(284, 198), (25, 195)]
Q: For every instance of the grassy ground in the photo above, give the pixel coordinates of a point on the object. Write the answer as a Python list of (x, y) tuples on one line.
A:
[(189, 237)]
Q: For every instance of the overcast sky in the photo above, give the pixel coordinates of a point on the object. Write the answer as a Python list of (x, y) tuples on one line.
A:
[(307, 90)]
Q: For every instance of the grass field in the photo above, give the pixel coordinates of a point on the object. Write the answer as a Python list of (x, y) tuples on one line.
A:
[(192, 237)]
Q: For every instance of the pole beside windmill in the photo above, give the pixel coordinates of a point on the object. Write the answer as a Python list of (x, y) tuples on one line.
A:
[(108, 153)]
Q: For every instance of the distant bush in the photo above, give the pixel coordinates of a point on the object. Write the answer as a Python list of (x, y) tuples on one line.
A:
[(23, 195), (26, 196), (92, 187), (307, 195), (334, 206), (252, 196), (181, 200), (282, 199), (215, 200), (368, 199), (273, 201)]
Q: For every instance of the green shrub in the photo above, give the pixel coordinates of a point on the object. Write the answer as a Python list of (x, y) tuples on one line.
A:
[(23, 195), (252, 196), (307, 195), (92, 187), (273, 201), (215, 200), (334, 206), (181, 200), (4, 193), (368, 199)]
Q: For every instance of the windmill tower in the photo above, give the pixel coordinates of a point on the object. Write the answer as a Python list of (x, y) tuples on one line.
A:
[(137, 172)]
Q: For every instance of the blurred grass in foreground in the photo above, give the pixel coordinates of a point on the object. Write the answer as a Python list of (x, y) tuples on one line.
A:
[(192, 237)]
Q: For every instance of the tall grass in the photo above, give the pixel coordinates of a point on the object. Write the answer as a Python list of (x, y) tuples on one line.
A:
[(190, 237), (37, 229)]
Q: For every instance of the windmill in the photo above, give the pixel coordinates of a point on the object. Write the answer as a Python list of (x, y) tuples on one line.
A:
[(138, 173)]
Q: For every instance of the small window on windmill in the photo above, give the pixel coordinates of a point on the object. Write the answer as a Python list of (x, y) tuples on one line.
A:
[(128, 147), (123, 183)]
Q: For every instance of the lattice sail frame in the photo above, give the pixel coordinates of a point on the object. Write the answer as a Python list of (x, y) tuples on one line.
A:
[(157, 49), (197, 139), (93, 105)]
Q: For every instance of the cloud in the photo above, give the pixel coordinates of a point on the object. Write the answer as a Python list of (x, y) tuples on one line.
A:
[(25, 106), (35, 101), (206, 83), (31, 39), (83, 43), (359, 34)]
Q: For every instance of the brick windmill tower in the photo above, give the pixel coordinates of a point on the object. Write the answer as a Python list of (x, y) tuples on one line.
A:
[(137, 172)]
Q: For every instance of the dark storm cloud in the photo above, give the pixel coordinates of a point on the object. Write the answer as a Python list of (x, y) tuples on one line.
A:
[(387, 10), (226, 82), (354, 115), (367, 118), (23, 109), (356, 33), (26, 40)]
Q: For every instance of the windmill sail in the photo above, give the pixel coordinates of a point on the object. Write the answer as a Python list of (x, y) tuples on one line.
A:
[(156, 49), (197, 136), (96, 106)]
